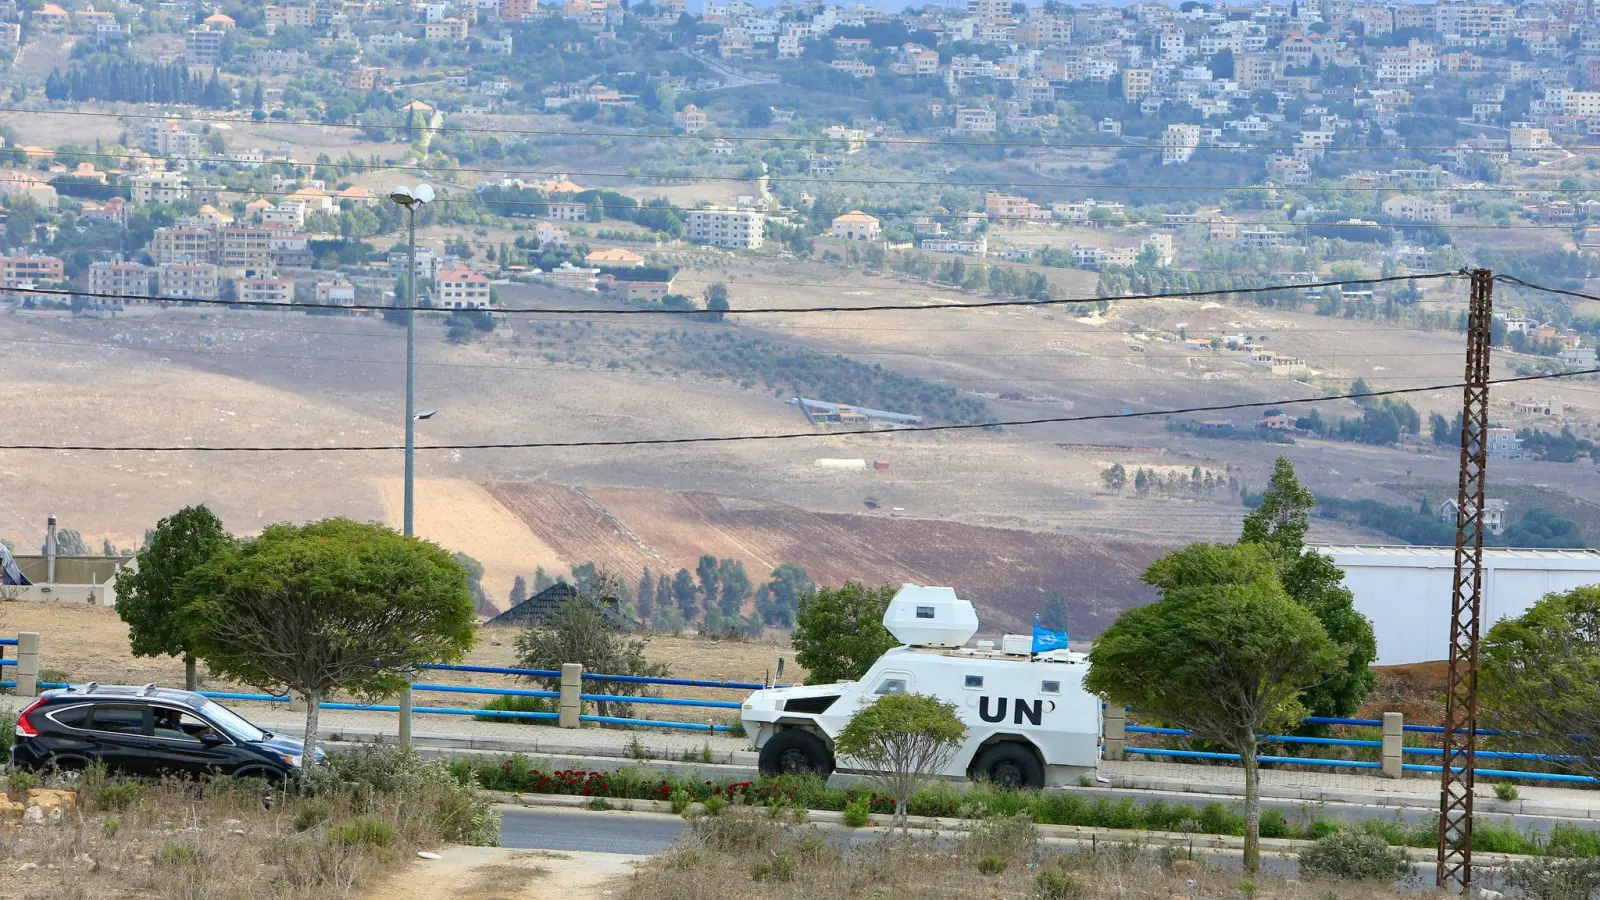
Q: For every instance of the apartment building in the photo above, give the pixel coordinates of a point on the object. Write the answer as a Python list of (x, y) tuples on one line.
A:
[(1178, 144), (183, 245), (451, 29), (264, 290), (735, 229), (187, 281), (18, 271), (202, 46), (574, 278), (975, 120), (108, 280), (158, 187), (245, 248), (463, 289), (337, 293), (1136, 84)]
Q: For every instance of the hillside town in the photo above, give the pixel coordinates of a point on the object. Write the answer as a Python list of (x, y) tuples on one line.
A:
[(1310, 134)]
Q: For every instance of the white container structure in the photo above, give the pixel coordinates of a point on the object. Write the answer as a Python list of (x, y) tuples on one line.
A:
[(1406, 591)]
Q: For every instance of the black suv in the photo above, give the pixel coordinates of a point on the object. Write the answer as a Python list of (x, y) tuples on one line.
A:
[(147, 732)]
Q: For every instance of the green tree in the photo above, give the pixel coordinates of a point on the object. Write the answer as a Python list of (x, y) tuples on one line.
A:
[(1055, 616), (474, 570), (1541, 677), (663, 604), (519, 590), (902, 741), (716, 301), (542, 580), (683, 590), (331, 606), (734, 584), (839, 633), (1224, 653), (149, 598), (781, 596), (582, 634), (707, 569), (1284, 516), (647, 595), (1280, 523), (1115, 478)]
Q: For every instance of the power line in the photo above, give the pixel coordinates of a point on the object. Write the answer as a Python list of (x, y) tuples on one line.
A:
[(886, 307), (781, 436), (1061, 355), (780, 139), (1512, 279)]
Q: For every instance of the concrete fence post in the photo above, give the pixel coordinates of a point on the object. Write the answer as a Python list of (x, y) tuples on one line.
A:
[(571, 687), (297, 702), (28, 664), (1116, 731), (1394, 733)]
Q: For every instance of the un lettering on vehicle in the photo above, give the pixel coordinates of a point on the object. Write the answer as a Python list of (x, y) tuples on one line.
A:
[(1022, 711)]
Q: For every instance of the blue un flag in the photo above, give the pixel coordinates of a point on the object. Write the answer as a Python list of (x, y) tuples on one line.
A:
[(1045, 640)]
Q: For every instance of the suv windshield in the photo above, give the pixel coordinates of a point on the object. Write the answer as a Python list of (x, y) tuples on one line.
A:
[(231, 722)]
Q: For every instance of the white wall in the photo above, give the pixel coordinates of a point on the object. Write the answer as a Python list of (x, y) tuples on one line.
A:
[(1406, 592)]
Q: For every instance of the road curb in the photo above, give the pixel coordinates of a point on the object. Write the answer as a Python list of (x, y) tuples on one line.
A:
[(1055, 835)]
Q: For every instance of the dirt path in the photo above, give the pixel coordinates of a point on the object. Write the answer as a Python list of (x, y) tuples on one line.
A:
[(496, 873), (462, 516)]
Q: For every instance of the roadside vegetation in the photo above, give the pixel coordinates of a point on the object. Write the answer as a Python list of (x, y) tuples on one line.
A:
[(218, 841), (978, 802), (736, 854)]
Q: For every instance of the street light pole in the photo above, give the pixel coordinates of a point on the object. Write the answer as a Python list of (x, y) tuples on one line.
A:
[(411, 364), (411, 198)]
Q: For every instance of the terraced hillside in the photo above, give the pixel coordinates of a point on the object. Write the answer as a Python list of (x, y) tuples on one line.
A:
[(1008, 573)]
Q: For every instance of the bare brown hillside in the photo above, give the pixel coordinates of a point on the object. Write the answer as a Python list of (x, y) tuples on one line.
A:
[(1009, 573)]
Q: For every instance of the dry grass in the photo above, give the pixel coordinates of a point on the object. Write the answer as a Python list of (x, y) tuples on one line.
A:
[(185, 841), (744, 855)]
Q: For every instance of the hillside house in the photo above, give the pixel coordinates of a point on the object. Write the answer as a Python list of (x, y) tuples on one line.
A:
[(546, 606)]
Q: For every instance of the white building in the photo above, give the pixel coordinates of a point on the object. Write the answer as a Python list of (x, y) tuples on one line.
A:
[(735, 229), (1178, 143), (857, 226), (463, 289)]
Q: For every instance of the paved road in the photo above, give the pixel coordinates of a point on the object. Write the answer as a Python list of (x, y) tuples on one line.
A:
[(647, 833), (561, 829)]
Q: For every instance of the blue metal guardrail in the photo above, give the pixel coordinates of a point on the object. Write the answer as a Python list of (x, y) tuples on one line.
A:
[(513, 715), (1363, 764), (8, 642)]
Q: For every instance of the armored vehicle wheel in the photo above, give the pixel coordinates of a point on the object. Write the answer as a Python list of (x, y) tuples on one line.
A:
[(795, 751), (1009, 765)]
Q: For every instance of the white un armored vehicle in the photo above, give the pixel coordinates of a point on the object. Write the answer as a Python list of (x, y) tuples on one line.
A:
[(1029, 720)]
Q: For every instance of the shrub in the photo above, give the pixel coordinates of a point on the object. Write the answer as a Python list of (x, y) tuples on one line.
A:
[(857, 813), (1354, 855), (363, 832), (117, 796), (449, 804), (1052, 885), (680, 801), (1273, 824), (310, 814), (715, 805), (598, 804), (176, 854), (778, 868), (18, 781), (1012, 837), (515, 703), (111, 826), (738, 833), (1570, 879), (992, 865), (1506, 791)]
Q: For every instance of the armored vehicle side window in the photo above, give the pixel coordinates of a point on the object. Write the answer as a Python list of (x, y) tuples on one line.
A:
[(1049, 687), (891, 686), (975, 681), (924, 612)]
